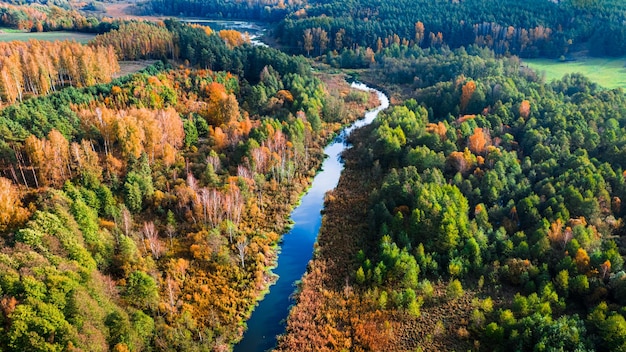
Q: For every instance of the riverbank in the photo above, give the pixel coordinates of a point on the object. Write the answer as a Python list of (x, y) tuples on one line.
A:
[(334, 313), (297, 246), (326, 303)]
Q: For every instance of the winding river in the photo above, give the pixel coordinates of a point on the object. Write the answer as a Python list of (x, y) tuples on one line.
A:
[(268, 319)]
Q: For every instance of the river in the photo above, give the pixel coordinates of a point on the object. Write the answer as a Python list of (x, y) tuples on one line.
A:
[(268, 319), (254, 30)]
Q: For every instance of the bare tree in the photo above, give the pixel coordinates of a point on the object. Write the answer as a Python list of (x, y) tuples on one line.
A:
[(216, 213), (172, 290), (171, 233), (151, 235), (204, 197), (214, 160), (127, 221), (242, 247), (308, 41)]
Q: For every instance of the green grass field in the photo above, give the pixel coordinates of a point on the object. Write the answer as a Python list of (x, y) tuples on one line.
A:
[(607, 72), (8, 35)]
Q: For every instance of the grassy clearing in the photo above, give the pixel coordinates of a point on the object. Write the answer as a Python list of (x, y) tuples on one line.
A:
[(607, 72), (128, 67), (8, 35)]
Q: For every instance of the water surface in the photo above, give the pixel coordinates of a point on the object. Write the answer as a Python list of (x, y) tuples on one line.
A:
[(268, 319), (254, 30)]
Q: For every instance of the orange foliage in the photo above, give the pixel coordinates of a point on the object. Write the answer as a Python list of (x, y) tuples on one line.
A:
[(11, 211), (605, 268), (158, 132), (467, 92), (419, 32), (38, 67), (439, 129), (557, 235), (50, 158), (461, 161), (113, 165), (524, 109), (221, 106), (219, 138), (465, 118), (234, 38), (138, 40), (479, 140), (577, 221), (284, 95), (206, 29)]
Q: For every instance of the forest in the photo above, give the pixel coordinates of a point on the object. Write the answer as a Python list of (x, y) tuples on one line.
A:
[(265, 10), (536, 28), (494, 215), (143, 212), (526, 29), (482, 211)]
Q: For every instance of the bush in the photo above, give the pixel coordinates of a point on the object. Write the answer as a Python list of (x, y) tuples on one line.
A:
[(454, 290)]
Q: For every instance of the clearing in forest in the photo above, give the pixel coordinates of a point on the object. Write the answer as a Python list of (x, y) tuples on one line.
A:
[(11, 35), (608, 72)]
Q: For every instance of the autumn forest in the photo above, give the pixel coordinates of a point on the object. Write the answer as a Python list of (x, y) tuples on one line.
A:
[(143, 210)]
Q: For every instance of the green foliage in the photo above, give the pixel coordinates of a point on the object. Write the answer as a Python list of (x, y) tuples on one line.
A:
[(39, 326), (141, 290), (523, 206), (360, 276), (138, 185), (191, 133), (454, 289), (531, 29)]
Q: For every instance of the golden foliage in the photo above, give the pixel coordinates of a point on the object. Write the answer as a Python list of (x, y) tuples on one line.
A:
[(50, 158), (39, 67), (206, 29), (12, 213), (234, 38), (138, 40), (582, 260)]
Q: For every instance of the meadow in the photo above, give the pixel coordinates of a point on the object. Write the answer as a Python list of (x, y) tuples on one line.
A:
[(608, 72), (7, 35)]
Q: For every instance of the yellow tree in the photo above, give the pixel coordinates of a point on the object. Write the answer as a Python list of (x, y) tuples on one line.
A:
[(129, 134), (85, 159), (582, 260), (57, 152), (11, 211), (35, 151), (233, 38)]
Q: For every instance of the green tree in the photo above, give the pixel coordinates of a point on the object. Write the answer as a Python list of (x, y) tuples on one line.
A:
[(454, 289), (141, 290)]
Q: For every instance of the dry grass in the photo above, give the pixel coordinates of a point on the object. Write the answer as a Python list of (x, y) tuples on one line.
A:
[(128, 67), (121, 10)]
